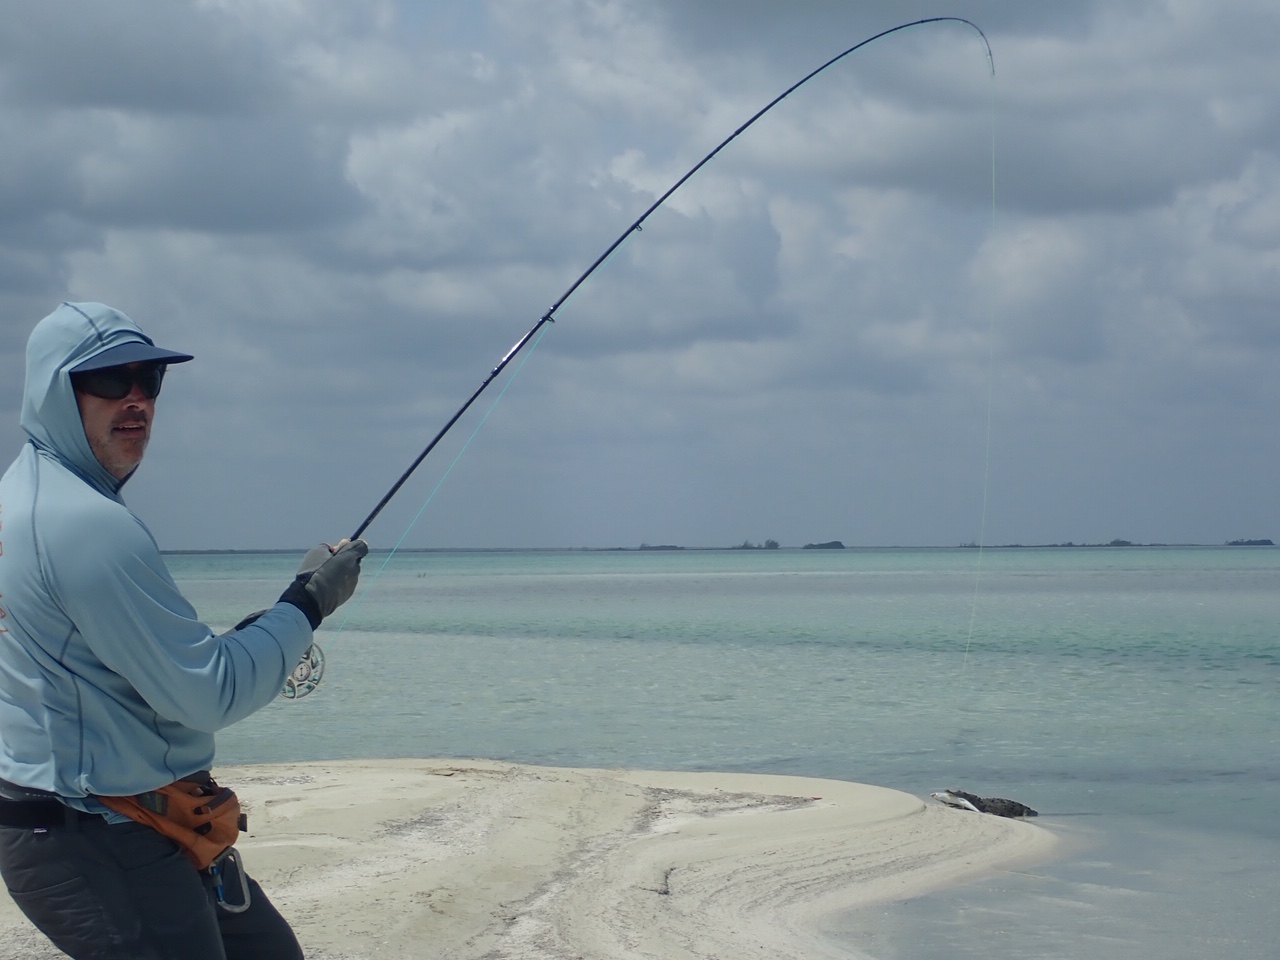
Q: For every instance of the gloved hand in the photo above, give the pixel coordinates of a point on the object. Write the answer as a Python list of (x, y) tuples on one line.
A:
[(326, 580)]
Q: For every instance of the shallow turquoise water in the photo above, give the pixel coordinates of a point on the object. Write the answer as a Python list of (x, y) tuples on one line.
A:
[(1130, 694)]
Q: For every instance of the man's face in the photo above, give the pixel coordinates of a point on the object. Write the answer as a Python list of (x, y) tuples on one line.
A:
[(118, 430)]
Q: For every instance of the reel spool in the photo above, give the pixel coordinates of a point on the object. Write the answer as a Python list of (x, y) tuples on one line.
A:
[(306, 675)]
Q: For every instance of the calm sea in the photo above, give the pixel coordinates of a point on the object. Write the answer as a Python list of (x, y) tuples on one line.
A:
[(1132, 695)]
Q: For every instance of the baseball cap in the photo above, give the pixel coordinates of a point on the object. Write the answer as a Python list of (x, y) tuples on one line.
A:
[(136, 351)]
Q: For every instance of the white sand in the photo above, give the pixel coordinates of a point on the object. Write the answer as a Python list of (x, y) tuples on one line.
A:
[(476, 859)]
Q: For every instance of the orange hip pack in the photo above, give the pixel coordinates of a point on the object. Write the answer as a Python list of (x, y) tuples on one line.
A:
[(194, 812)]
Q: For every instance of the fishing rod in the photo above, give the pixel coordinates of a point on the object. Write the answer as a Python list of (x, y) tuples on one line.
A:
[(310, 670), (549, 316)]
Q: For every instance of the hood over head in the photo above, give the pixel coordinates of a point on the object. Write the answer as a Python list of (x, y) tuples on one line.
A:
[(81, 336)]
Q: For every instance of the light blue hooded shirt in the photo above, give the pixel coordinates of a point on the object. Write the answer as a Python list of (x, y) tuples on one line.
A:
[(109, 682)]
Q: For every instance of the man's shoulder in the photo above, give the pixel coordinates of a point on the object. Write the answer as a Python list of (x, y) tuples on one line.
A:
[(68, 513), (61, 489)]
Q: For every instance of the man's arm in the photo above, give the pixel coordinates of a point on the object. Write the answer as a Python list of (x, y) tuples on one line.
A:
[(133, 619)]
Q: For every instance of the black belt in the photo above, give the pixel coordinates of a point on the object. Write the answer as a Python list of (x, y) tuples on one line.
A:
[(39, 813)]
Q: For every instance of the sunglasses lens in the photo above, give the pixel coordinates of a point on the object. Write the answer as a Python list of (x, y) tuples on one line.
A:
[(116, 383), (106, 384), (149, 379)]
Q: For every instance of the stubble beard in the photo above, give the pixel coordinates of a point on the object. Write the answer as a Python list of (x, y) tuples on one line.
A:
[(120, 453)]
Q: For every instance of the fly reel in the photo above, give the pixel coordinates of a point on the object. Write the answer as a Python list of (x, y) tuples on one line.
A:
[(306, 675)]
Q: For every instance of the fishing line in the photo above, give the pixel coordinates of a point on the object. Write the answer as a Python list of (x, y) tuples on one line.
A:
[(440, 483), (307, 675), (991, 377)]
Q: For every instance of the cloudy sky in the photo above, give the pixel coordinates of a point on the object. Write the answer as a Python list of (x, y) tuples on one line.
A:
[(349, 211)]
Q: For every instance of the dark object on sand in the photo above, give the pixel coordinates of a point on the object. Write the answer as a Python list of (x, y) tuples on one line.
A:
[(996, 806)]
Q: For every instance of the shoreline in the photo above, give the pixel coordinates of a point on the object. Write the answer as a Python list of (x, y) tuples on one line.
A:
[(475, 859)]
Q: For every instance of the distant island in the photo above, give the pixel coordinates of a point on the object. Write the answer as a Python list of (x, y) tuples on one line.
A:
[(1112, 543), (829, 545), (660, 546), (748, 545), (1069, 543)]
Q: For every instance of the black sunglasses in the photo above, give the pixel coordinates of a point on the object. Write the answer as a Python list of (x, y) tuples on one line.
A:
[(116, 383)]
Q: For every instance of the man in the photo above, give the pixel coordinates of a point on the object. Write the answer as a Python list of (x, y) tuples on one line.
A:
[(110, 686)]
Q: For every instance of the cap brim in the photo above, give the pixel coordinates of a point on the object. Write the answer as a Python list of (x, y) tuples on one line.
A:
[(136, 352)]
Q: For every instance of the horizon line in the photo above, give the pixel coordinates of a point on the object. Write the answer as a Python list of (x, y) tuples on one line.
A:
[(672, 548)]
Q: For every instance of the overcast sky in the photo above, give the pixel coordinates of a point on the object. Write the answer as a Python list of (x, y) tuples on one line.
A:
[(349, 211)]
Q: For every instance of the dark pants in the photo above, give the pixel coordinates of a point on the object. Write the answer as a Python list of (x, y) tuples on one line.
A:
[(124, 892)]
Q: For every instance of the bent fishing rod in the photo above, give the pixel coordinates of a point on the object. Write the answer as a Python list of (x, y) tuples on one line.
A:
[(549, 316), (310, 670)]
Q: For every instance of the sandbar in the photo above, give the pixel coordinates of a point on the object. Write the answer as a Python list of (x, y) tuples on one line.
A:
[(483, 860)]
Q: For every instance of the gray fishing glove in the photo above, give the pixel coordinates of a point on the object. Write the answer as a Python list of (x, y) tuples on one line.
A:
[(326, 580)]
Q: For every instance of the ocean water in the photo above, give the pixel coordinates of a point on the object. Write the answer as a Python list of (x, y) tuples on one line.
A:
[(1131, 695)]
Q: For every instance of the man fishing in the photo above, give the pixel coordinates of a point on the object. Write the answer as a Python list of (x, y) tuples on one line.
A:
[(114, 839)]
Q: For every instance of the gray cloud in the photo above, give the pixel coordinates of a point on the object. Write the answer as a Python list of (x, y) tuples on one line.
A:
[(136, 56), (350, 211)]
